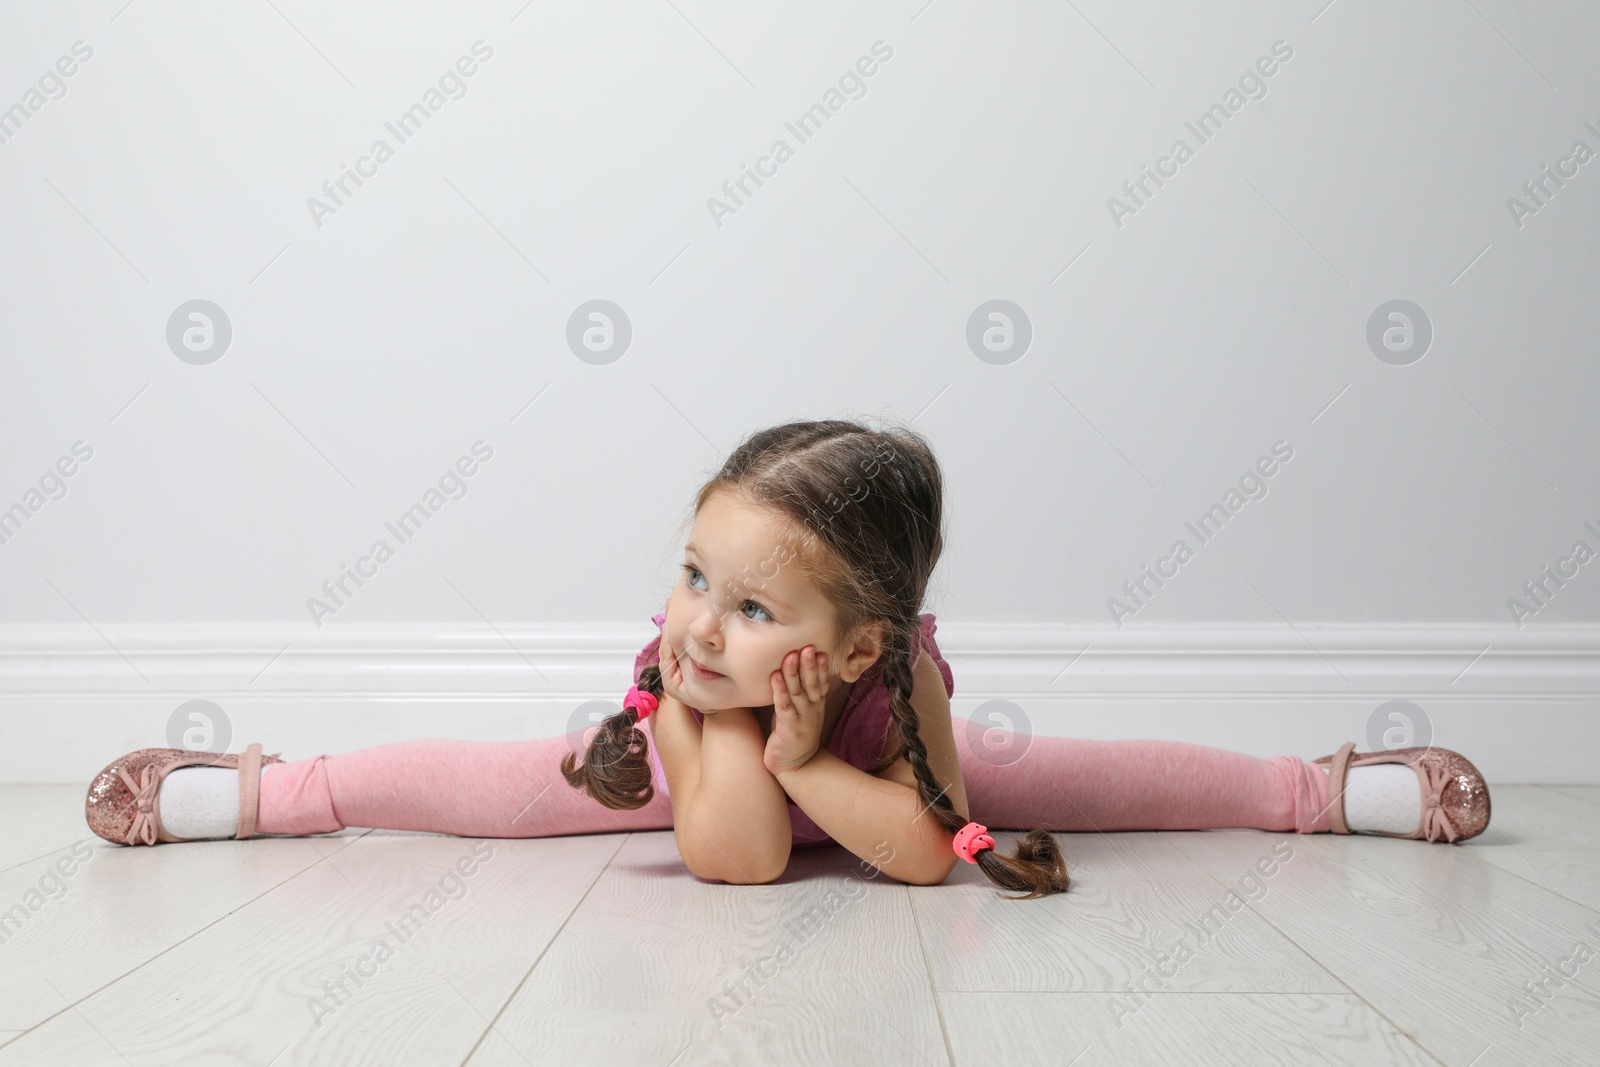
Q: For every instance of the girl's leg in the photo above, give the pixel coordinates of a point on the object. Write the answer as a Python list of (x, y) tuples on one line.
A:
[(1066, 784), (466, 788)]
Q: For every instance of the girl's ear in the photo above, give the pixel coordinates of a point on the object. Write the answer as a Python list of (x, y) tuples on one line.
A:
[(863, 652)]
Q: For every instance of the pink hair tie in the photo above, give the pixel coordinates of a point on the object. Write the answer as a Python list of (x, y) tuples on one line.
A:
[(969, 839), (641, 702)]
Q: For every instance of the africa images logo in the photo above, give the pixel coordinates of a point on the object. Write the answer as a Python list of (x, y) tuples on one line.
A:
[(807, 125), (404, 127)]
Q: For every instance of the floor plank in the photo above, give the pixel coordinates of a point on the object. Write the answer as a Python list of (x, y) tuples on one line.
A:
[(1136, 908), (1573, 875), (657, 966), (1192, 1029), (1589, 793), (260, 982), (39, 820), (1436, 938), (119, 907), (1540, 818)]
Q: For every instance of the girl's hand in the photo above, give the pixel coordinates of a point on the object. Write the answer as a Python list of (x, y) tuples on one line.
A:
[(799, 693), (671, 667)]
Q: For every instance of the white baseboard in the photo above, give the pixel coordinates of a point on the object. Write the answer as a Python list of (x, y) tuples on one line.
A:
[(1523, 705)]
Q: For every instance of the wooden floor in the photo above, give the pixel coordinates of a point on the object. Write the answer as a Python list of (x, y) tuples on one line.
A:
[(603, 949)]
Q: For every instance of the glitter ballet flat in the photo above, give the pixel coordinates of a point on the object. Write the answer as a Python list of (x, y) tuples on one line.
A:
[(122, 802), (1455, 798)]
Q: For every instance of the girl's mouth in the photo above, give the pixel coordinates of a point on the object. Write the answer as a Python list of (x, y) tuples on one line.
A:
[(701, 673)]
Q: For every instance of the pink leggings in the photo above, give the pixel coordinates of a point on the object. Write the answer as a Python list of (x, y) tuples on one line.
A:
[(515, 789)]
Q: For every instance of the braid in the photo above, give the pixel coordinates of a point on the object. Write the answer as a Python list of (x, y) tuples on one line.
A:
[(616, 765), (1038, 867)]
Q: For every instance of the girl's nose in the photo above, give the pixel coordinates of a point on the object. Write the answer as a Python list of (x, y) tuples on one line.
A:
[(706, 628)]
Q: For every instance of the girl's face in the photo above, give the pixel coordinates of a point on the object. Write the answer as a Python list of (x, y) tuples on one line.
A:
[(740, 605)]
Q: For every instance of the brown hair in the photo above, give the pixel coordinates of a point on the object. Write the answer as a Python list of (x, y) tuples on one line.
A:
[(867, 506)]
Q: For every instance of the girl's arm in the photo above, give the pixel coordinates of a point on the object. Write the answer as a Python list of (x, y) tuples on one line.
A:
[(730, 816), (883, 815), (739, 807)]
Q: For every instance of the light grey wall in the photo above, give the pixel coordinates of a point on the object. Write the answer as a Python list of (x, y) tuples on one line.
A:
[(1171, 348)]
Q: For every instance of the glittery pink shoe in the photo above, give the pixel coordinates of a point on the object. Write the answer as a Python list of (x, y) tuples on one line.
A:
[(1455, 798), (122, 802)]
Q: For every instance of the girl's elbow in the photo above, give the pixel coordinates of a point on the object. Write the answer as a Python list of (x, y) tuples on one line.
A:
[(745, 875), (932, 873), (747, 871), (756, 878)]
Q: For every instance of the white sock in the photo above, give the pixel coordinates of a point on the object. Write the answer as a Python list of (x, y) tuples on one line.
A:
[(1382, 796), (198, 803)]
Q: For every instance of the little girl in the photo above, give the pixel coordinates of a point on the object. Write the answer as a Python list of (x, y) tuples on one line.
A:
[(795, 696)]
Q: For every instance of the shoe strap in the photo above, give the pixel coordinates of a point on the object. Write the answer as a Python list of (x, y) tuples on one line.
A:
[(249, 790), (1338, 767)]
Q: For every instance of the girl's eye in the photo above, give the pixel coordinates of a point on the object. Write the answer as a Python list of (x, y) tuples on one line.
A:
[(692, 572)]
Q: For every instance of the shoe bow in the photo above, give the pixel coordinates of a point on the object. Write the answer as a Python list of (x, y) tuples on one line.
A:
[(1435, 823), (144, 799)]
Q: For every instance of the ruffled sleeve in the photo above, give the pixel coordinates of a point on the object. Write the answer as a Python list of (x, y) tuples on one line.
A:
[(928, 627)]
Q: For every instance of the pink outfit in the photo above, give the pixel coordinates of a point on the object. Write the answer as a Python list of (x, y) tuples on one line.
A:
[(858, 737), (515, 788)]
